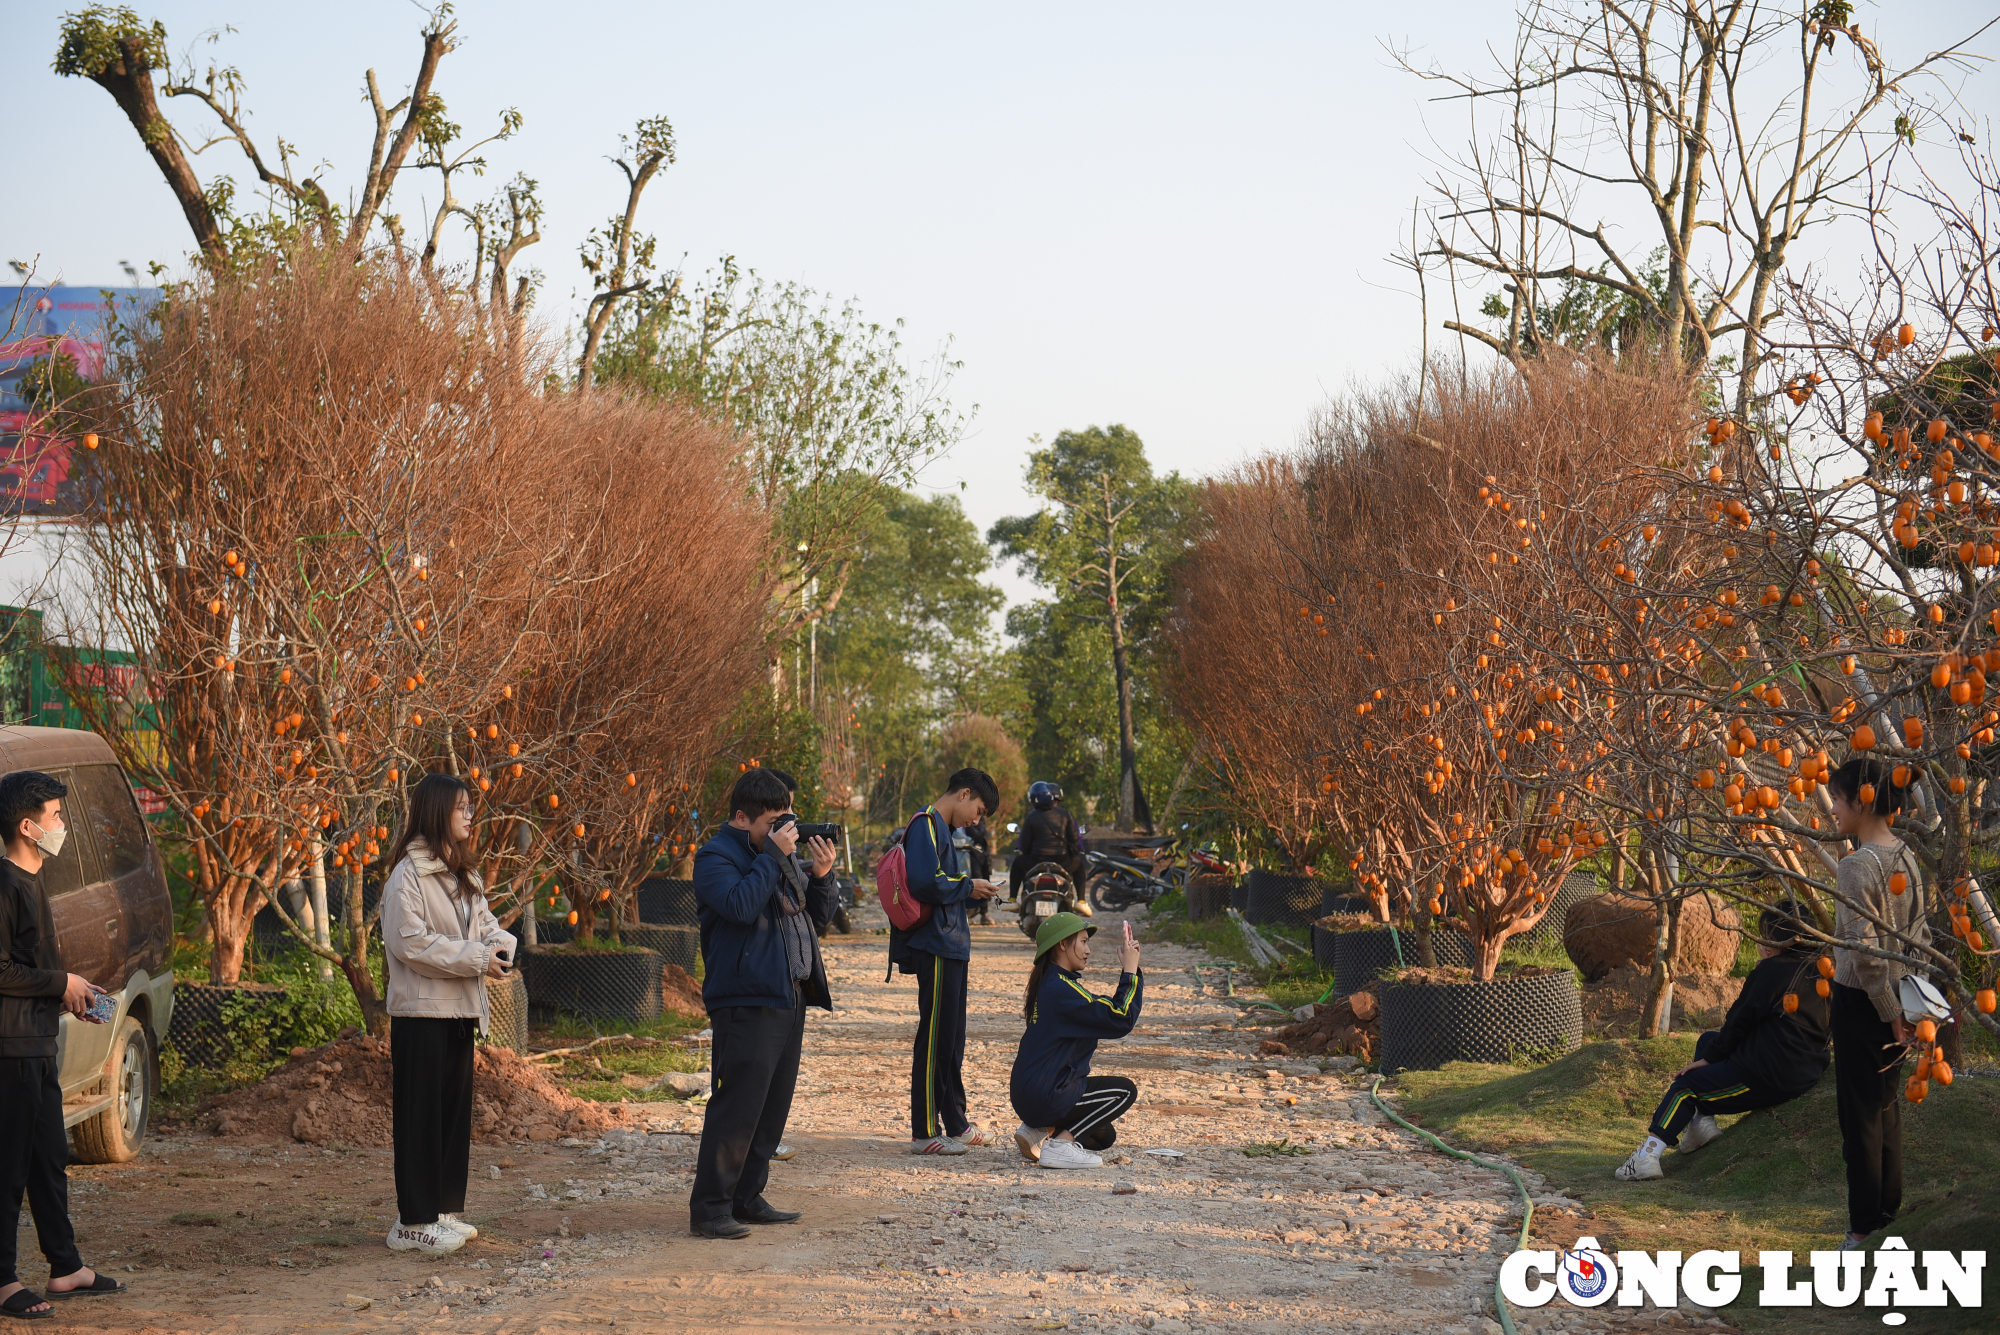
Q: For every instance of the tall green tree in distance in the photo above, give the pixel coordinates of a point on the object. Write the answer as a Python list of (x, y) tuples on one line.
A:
[(910, 645), (1102, 544)]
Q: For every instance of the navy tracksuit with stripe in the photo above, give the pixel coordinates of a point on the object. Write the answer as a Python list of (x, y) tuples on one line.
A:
[(1051, 1085), (1762, 1056), (939, 953)]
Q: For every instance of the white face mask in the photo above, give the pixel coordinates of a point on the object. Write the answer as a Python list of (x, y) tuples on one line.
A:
[(50, 841)]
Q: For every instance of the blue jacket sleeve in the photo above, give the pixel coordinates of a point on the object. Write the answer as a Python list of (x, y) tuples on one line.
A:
[(1081, 1013), (739, 897), (822, 900), (924, 865)]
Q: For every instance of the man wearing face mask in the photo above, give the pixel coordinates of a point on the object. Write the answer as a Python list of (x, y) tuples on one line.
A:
[(34, 991)]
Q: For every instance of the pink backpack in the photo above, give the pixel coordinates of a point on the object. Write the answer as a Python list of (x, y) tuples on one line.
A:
[(892, 886)]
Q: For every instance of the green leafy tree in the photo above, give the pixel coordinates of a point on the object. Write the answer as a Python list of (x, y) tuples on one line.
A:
[(1102, 543), (910, 646), (829, 405)]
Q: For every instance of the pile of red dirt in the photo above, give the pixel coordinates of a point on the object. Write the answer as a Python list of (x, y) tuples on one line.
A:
[(1351, 1025), (340, 1094), (679, 992), (1613, 1006)]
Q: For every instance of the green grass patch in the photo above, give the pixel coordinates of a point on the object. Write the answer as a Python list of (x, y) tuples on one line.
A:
[(1774, 1180), (602, 1073)]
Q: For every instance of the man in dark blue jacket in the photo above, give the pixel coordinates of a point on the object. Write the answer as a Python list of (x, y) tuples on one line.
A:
[(939, 953), (760, 917)]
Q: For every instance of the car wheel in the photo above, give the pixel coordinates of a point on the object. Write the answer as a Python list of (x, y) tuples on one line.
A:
[(113, 1136)]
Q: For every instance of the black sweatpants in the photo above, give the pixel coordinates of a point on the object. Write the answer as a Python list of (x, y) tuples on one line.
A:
[(1719, 1088), (1105, 1099), (34, 1157), (1868, 1087), (937, 1064), (754, 1053), (430, 1063)]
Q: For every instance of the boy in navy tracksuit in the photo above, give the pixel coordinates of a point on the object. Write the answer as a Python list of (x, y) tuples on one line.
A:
[(1066, 1112), (760, 914), (939, 952)]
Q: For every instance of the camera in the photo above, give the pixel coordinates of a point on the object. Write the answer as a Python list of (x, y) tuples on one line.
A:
[(809, 829)]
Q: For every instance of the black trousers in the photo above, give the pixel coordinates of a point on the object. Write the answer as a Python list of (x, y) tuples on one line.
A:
[(755, 1056), (1721, 1087), (937, 1064), (34, 1157), (1868, 1086), (430, 1064), (1105, 1099)]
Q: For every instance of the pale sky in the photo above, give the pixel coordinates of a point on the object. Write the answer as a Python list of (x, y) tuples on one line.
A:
[(1177, 217)]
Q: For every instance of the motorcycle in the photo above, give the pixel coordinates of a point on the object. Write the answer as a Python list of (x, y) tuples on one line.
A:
[(1046, 891), (1113, 881)]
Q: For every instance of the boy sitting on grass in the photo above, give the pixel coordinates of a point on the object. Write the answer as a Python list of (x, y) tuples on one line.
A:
[(1772, 1047)]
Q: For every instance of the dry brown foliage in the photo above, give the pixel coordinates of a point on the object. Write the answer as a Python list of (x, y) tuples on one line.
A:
[(348, 544)]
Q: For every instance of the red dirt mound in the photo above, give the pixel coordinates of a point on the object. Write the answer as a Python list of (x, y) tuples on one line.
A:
[(340, 1093), (679, 992), (1612, 1006)]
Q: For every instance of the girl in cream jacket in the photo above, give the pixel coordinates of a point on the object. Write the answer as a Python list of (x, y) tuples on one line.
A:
[(442, 945)]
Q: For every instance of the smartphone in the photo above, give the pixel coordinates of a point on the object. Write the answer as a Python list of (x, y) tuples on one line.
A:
[(103, 1006)]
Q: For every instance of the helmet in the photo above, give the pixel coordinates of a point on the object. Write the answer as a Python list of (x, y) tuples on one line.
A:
[(1042, 794)]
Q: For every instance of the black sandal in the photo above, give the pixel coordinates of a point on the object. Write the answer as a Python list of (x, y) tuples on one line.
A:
[(19, 1303), (102, 1284)]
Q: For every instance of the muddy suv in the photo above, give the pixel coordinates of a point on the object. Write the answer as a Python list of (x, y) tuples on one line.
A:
[(114, 922)]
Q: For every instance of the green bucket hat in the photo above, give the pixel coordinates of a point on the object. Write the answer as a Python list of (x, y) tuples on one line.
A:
[(1057, 929)]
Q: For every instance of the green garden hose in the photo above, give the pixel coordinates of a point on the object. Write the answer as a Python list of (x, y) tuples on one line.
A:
[(1527, 1203)]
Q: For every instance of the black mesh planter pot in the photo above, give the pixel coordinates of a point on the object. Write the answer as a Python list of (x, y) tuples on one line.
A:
[(619, 985), (1323, 947), (1577, 885), (667, 902), (1359, 958), (1425, 1025), (1206, 898), (1239, 896), (1290, 901), (674, 945), (200, 1031), (507, 1012)]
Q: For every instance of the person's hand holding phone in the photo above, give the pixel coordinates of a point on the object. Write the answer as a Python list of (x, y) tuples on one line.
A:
[(496, 967), (984, 889), (1128, 951), (77, 992)]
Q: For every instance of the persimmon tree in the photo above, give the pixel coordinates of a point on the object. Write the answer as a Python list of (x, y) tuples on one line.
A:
[(347, 545)]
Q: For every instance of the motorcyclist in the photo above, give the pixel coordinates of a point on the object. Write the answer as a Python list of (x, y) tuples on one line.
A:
[(1048, 834)]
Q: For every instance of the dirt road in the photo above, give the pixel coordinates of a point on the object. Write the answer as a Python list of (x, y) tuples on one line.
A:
[(1364, 1231)]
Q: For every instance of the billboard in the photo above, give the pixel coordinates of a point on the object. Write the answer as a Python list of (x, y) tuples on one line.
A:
[(38, 471)]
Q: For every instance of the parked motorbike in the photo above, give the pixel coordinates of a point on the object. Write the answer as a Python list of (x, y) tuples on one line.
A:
[(1046, 891), (1113, 881)]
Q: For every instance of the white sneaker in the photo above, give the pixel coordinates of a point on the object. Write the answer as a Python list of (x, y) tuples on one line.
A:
[(1641, 1167), (1699, 1132), (426, 1238), (939, 1145), (783, 1152), (470, 1231), (1028, 1139), (1067, 1154)]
